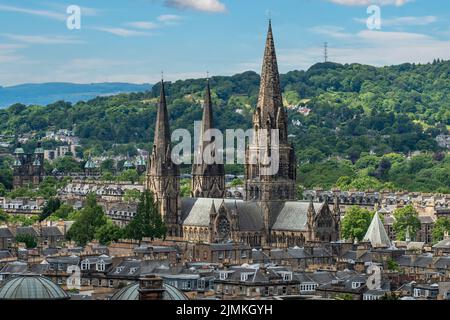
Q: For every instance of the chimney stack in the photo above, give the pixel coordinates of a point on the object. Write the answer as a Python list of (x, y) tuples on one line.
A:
[(151, 288)]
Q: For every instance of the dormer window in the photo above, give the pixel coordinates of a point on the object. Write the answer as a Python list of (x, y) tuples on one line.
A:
[(287, 276), (119, 269), (244, 276), (223, 275), (85, 265), (356, 285), (100, 266), (133, 270)]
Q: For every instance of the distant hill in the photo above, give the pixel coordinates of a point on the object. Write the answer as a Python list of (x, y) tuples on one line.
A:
[(46, 93)]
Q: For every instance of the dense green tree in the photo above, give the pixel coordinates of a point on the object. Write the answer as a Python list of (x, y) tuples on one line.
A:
[(90, 219), (3, 216), (355, 223), (29, 240), (185, 188), (50, 207), (108, 233), (441, 226), (147, 223), (406, 218)]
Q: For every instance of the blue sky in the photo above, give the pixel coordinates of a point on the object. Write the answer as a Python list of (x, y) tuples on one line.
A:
[(133, 40)]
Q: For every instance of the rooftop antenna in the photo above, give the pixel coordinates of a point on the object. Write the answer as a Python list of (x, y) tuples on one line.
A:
[(162, 75), (325, 51), (207, 75)]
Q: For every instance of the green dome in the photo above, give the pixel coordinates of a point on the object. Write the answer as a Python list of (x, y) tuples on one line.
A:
[(128, 164), (17, 163), (39, 150), (89, 164), (19, 151), (31, 287), (131, 292), (140, 162)]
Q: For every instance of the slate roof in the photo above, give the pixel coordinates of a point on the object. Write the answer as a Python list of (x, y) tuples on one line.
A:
[(5, 254), (51, 231), (293, 216), (376, 234), (27, 230), (443, 244), (16, 267), (195, 212), (6, 233)]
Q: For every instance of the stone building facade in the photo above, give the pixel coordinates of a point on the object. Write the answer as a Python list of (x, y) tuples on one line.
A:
[(269, 214), (28, 169)]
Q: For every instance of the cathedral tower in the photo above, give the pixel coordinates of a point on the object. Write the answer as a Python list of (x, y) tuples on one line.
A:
[(208, 179), (163, 176), (270, 114)]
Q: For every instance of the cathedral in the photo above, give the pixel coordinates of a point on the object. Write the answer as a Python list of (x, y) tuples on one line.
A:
[(269, 214)]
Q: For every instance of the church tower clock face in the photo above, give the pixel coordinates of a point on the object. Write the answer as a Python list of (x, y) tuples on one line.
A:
[(223, 227)]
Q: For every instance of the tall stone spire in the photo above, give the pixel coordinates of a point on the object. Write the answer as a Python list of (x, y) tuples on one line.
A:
[(163, 176), (208, 179), (270, 102), (260, 183)]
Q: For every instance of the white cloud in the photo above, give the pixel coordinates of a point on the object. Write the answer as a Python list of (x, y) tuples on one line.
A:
[(122, 32), (143, 25), (199, 5), (41, 39), (42, 13), (169, 18), (404, 21), (397, 3), (371, 47), (8, 53), (332, 31)]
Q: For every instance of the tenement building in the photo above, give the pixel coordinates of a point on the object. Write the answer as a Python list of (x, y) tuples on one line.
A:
[(28, 169), (269, 213)]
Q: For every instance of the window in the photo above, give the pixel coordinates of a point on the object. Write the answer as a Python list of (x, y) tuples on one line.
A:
[(133, 270), (100, 266), (243, 254), (119, 269), (201, 284), (356, 285), (244, 276), (111, 283), (60, 280), (85, 265), (287, 276), (416, 292), (223, 275), (60, 266), (220, 255)]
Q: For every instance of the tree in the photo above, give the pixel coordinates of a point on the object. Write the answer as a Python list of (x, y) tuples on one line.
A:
[(63, 211), (147, 222), (441, 226), (406, 218), (3, 216), (108, 232), (129, 175), (355, 223), (91, 218), (185, 188), (29, 240), (236, 182), (50, 207), (131, 195)]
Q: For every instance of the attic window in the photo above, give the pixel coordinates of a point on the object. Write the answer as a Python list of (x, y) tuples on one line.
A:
[(119, 269), (85, 265), (133, 270), (244, 276), (223, 275), (100, 266), (356, 285)]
